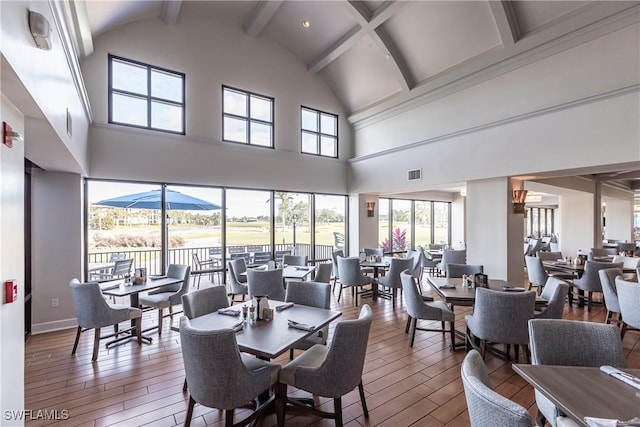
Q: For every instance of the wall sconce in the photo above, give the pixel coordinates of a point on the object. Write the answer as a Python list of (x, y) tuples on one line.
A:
[(9, 135), (371, 207), (518, 201)]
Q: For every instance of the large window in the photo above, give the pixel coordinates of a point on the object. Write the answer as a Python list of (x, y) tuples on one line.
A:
[(539, 222), (319, 132), (330, 214), (145, 96), (247, 117)]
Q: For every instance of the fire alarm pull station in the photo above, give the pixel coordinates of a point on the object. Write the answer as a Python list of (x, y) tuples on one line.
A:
[(10, 291)]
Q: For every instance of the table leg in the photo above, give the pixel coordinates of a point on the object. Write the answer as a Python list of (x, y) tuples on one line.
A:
[(134, 302)]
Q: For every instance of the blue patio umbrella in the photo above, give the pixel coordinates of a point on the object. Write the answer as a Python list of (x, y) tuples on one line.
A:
[(152, 200)]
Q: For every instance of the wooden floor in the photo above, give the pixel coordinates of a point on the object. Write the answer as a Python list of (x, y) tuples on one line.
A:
[(133, 386)]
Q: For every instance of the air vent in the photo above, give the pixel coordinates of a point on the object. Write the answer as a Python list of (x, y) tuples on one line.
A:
[(414, 175)]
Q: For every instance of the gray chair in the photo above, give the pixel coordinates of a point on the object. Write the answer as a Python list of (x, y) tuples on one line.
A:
[(487, 407), (571, 343), (294, 260), (596, 253), (555, 292), (121, 267), (534, 247), (219, 376), (392, 279), (331, 371), (500, 317), (627, 248), (590, 280), (458, 270), (93, 312), (323, 273), (314, 294), (204, 267), (550, 256), (237, 281), (452, 256), (417, 309), (608, 282), (373, 251), (280, 254), (628, 263), (203, 301), (352, 277), (266, 283), (170, 295), (334, 266), (535, 271), (629, 298), (261, 257), (426, 261)]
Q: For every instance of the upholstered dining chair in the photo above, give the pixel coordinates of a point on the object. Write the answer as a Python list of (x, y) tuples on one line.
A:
[(417, 309), (266, 283), (629, 298), (595, 253), (237, 281), (628, 263), (313, 294), (500, 317), (590, 280), (93, 312), (550, 256), (536, 272), (392, 279), (170, 295), (627, 248), (555, 292), (571, 343), (352, 277), (334, 267), (458, 270), (331, 371), (458, 256), (323, 273), (487, 407), (295, 260), (608, 282), (219, 376)]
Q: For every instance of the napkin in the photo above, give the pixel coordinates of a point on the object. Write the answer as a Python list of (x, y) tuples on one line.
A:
[(238, 326), (284, 306), (106, 288), (632, 380), (158, 277), (301, 326), (447, 286), (229, 312), (600, 422)]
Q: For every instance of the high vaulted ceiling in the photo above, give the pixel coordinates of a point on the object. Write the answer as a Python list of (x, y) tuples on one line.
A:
[(378, 54)]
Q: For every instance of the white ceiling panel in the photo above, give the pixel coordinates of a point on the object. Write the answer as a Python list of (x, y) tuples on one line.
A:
[(105, 15), (231, 13), (534, 14)]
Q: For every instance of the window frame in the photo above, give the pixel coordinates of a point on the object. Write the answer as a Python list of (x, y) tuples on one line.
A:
[(148, 98), (319, 134), (248, 118)]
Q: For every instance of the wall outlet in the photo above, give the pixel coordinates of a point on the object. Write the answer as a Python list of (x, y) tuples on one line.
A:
[(55, 302)]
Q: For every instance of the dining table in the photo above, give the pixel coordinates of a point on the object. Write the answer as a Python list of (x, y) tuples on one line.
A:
[(581, 392), (118, 288), (268, 339)]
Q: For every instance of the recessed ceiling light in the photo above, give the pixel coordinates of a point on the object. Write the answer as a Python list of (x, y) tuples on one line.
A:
[(306, 23)]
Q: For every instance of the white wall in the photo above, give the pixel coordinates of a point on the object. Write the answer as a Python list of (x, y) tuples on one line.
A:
[(619, 218), (58, 246), (458, 220), (12, 265), (576, 222)]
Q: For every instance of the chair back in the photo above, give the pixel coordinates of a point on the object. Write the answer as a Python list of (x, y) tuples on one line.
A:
[(261, 257), (485, 406), (92, 311), (550, 256), (177, 271), (281, 254), (122, 267), (397, 266), (115, 256), (535, 270), (628, 262), (323, 273), (608, 282), (590, 280), (534, 246), (601, 253), (575, 343), (314, 294), (629, 298), (502, 316), (341, 370), (628, 248), (244, 255), (453, 256), (294, 260), (416, 307), (204, 301), (436, 246), (334, 260), (350, 273), (215, 373), (555, 292), (458, 270), (374, 251), (237, 283), (266, 283)]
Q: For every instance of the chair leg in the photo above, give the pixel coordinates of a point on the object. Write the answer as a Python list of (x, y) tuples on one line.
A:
[(406, 328), (589, 299), (516, 350), (281, 403), (443, 329), (363, 401), (160, 310), (483, 348), (452, 331), (75, 344), (290, 354), (228, 417), (340, 292), (607, 320), (96, 344), (337, 403), (413, 331), (139, 330), (115, 330), (570, 295), (187, 420), (623, 330), (540, 419), (184, 386)]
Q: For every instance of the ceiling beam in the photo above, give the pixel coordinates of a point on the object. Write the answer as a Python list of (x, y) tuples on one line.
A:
[(506, 21), (368, 24), (260, 16), (81, 30), (170, 10)]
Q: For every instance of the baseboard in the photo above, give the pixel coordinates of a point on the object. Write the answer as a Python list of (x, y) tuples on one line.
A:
[(57, 325)]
